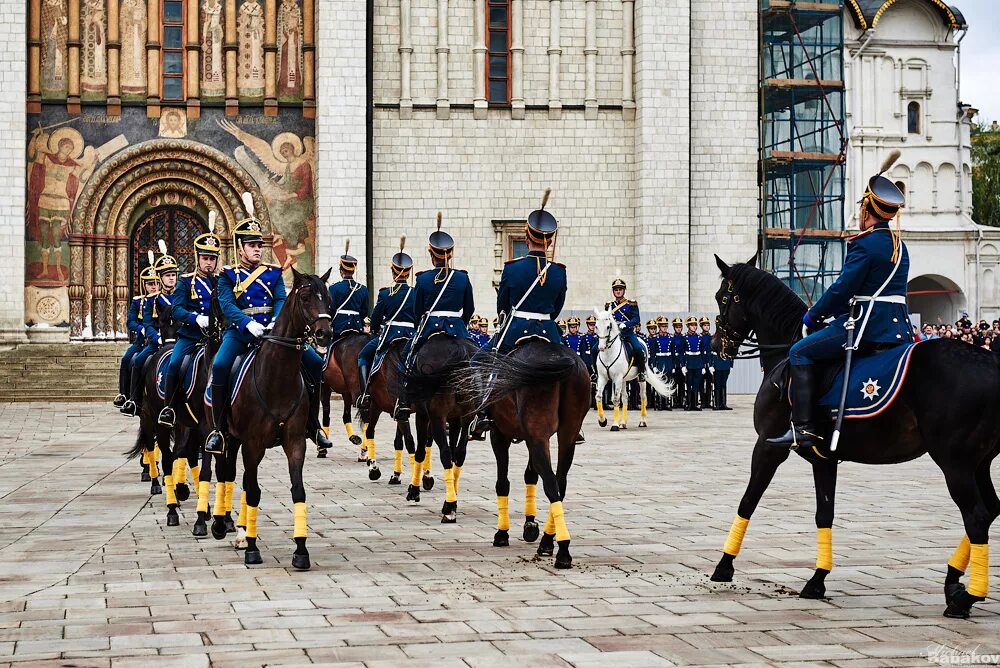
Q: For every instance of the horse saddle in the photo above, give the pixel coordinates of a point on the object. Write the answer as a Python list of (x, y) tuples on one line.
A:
[(874, 382), (236, 375), (188, 371), (338, 339)]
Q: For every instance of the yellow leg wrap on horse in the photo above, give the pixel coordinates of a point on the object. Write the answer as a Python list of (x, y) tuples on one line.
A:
[(397, 461), (168, 483), (230, 490), (458, 474), (204, 490), (371, 445), (300, 520), (180, 470), (735, 539), (450, 495), (624, 414), (427, 459), (824, 549), (195, 474), (414, 471), (616, 414), (550, 523), (252, 521), (960, 559), (242, 520), (979, 571), (349, 428), (559, 518), (642, 408), (600, 410), (220, 499), (503, 514), (530, 497), (154, 470)]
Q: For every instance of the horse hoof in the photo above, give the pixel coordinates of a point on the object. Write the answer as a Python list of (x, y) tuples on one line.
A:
[(547, 546), (428, 482), (952, 590), (200, 530), (321, 454), (218, 529), (724, 570), (602, 422), (614, 427), (300, 562), (530, 534), (172, 519), (813, 590), (563, 559), (182, 491), (252, 557), (145, 476), (450, 518), (240, 542), (155, 488), (394, 479), (501, 538), (623, 427), (413, 493), (374, 473), (230, 524), (961, 605), (642, 424), (355, 439)]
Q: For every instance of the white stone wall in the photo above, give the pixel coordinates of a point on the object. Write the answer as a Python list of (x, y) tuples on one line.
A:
[(723, 142), (13, 63), (341, 131)]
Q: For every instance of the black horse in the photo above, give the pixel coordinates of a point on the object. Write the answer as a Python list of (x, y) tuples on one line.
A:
[(961, 433)]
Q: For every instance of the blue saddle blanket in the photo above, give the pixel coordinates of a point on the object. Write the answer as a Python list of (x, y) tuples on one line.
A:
[(189, 373), (236, 379), (874, 383)]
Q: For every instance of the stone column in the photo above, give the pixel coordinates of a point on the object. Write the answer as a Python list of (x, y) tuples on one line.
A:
[(73, 56), (443, 105), (114, 59), (271, 58), (230, 46), (153, 58), (405, 54), (193, 61), (12, 146), (516, 59), (309, 59), (479, 103), (35, 58), (555, 51), (590, 62), (628, 59)]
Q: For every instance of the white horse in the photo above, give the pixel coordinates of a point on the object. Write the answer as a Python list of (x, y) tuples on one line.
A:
[(613, 365)]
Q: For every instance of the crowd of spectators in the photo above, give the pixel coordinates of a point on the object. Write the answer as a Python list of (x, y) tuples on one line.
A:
[(982, 333)]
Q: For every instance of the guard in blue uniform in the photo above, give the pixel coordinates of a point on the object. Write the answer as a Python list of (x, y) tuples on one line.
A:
[(191, 302), (626, 314), (149, 282), (649, 338), (574, 339), (721, 367), (348, 297), (677, 348), (443, 306), (588, 351), (530, 297), (694, 363), (484, 332), (156, 316), (474, 329), (663, 359), (872, 285), (706, 347), (393, 318)]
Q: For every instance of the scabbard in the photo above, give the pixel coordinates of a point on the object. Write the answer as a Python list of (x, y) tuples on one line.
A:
[(843, 390)]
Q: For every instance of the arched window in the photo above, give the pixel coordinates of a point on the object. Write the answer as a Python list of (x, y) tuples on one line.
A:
[(172, 58), (913, 118), (498, 51)]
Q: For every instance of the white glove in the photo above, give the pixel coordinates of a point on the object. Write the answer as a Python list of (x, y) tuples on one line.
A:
[(684, 370), (269, 326), (711, 369), (202, 321), (255, 328)]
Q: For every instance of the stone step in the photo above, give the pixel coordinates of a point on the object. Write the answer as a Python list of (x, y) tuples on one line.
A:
[(60, 372)]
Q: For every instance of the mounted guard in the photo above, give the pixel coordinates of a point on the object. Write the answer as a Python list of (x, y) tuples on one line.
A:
[(136, 329), (626, 314), (350, 297), (869, 295)]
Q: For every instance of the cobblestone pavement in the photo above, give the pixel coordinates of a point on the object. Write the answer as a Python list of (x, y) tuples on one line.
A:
[(91, 575)]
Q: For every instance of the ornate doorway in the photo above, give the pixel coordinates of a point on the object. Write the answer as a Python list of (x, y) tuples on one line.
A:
[(177, 227)]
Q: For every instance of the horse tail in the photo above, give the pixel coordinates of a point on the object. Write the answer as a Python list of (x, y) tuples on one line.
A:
[(663, 385), (138, 449), (491, 376)]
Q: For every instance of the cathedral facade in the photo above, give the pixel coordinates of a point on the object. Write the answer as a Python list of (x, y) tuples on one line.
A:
[(126, 121)]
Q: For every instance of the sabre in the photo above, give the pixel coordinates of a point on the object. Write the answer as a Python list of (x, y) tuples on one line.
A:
[(849, 326)]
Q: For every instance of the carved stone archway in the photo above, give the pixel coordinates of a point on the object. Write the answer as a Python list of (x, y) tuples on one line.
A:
[(107, 210)]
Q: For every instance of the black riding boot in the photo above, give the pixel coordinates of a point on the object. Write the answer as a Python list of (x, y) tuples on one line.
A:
[(804, 432), (133, 406), (480, 426), (167, 416), (364, 399), (401, 413), (123, 378), (313, 428), (215, 444)]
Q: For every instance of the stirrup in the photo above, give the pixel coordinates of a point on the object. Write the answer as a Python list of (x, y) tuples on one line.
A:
[(218, 436), (129, 408), (166, 417), (480, 425), (320, 439), (119, 401)]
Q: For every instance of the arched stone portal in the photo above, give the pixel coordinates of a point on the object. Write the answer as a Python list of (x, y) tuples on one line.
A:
[(180, 173), (935, 298)]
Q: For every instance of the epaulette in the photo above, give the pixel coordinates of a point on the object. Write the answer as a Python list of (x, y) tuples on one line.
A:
[(137, 298), (187, 275), (559, 264), (633, 302), (607, 305), (225, 267), (516, 259), (422, 272)]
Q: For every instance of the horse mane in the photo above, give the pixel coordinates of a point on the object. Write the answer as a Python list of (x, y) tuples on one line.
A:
[(767, 298)]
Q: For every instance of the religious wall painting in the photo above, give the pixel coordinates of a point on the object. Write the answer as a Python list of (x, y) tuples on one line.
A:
[(285, 172), (55, 78), (132, 65), (173, 124), (250, 38), (213, 74), (290, 62), (94, 66)]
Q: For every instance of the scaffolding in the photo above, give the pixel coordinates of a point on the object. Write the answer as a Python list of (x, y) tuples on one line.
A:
[(803, 143)]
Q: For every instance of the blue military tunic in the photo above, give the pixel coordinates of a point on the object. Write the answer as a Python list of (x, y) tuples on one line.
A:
[(452, 312), (867, 267), (133, 322), (349, 301), (191, 298), (574, 342), (694, 352), (664, 354), (587, 348), (393, 318), (163, 315), (536, 315), (482, 340), (626, 312)]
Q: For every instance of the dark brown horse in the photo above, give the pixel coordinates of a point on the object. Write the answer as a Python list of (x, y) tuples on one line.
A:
[(441, 409), (271, 407), (537, 391), (341, 375), (382, 388), (931, 414)]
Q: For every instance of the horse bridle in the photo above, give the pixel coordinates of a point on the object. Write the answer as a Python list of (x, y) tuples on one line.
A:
[(730, 336), (611, 339)]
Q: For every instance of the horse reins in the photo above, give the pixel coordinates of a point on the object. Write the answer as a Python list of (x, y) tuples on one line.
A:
[(754, 349)]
